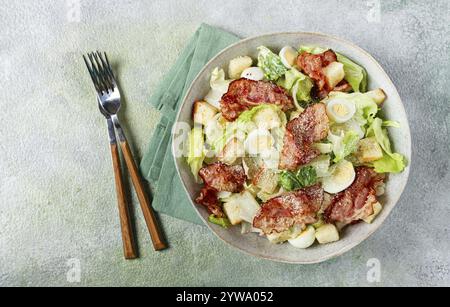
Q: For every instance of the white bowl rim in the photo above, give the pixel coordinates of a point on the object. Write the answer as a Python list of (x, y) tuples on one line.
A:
[(407, 151)]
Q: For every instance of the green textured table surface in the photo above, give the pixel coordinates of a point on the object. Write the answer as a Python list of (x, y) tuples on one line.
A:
[(57, 200)]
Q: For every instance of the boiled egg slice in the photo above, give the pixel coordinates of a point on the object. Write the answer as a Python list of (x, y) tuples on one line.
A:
[(305, 239), (259, 141), (253, 73), (340, 111), (288, 56), (342, 175)]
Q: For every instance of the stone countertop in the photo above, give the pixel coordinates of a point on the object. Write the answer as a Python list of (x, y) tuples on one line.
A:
[(57, 198)]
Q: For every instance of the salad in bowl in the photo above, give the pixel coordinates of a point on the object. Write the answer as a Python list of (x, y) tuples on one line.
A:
[(291, 146)]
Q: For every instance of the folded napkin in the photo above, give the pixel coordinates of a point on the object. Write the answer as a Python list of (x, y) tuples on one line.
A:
[(158, 165)]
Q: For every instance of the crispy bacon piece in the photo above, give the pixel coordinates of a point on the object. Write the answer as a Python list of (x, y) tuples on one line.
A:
[(343, 86), (208, 198), (356, 202), (310, 127), (313, 65), (292, 155), (224, 178), (244, 94), (294, 208)]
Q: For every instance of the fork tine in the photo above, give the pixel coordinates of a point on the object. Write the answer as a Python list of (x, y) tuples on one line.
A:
[(104, 72), (99, 71), (107, 67), (91, 73)]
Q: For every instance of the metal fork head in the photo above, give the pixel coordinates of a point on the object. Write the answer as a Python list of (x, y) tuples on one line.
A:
[(104, 81)]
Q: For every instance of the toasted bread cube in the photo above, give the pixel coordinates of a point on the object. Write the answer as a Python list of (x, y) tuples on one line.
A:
[(369, 150), (232, 151), (334, 73), (238, 65), (327, 233), (377, 208), (233, 211), (378, 95), (204, 112)]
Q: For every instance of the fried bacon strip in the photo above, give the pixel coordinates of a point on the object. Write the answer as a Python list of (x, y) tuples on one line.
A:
[(356, 202), (244, 94), (301, 133), (219, 177), (294, 208), (208, 198), (224, 178), (313, 65)]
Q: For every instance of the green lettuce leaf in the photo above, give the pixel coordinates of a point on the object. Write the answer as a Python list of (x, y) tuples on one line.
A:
[(305, 177), (248, 116), (219, 86), (299, 84), (391, 123), (302, 92), (344, 144), (354, 74), (312, 49), (196, 153), (288, 180), (289, 79), (394, 163), (391, 162), (223, 222), (271, 64)]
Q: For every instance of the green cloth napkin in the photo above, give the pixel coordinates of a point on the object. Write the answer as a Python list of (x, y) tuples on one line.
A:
[(158, 165)]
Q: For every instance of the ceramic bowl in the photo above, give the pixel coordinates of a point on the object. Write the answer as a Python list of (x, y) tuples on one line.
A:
[(393, 109)]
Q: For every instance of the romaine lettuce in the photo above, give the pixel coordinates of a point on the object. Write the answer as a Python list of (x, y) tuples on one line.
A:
[(391, 123), (391, 162), (394, 163), (249, 115), (223, 222), (304, 177), (344, 144), (302, 92), (288, 180), (354, 74), (271, 64), (311, 49), (298, 85), (196, 153), (219, 86)]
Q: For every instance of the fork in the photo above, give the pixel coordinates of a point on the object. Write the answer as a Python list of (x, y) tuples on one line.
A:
[(109, 99), (129, 246)]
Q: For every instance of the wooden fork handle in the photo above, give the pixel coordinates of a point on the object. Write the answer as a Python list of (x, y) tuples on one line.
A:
[(129, 247), (149, 214)]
